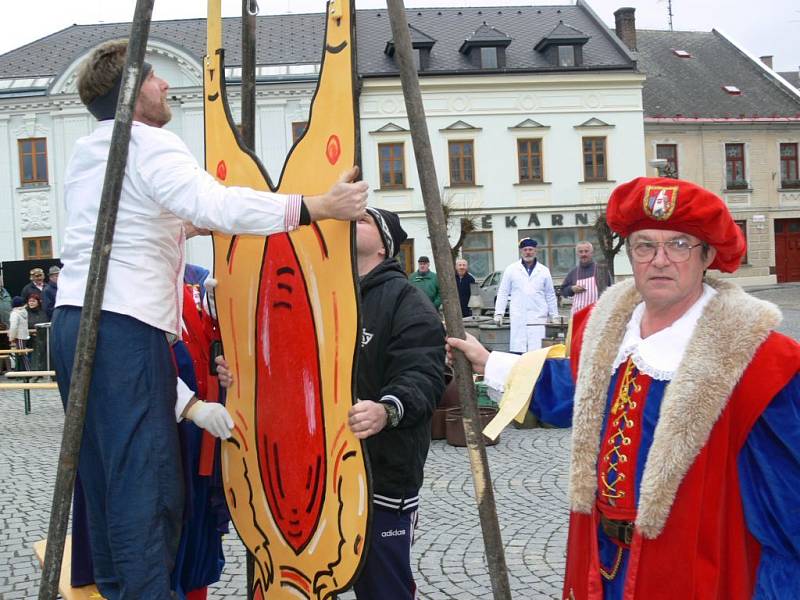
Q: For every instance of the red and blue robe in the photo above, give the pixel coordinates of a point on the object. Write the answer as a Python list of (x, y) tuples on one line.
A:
[(715, 501), (768, 468)]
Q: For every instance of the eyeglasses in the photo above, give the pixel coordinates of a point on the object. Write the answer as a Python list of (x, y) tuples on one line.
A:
[(676, 250)]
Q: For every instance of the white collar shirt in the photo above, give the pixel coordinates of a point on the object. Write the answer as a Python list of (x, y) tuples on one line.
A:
[(659, 355), (163, 187)]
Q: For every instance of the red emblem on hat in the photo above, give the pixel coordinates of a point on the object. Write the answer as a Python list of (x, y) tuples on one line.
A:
[(659, 201)]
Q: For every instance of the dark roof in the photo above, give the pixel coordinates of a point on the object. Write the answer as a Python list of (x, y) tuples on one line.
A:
[(792, 77), (297, 39), (525, 25), (485, 33), (419, 39), (292, 39), (562, 34), (693, 87)]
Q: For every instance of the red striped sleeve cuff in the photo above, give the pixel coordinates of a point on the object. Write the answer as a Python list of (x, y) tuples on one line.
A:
[(291, 218)]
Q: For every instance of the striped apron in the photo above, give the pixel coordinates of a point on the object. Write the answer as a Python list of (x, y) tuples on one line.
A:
[(586, 297)]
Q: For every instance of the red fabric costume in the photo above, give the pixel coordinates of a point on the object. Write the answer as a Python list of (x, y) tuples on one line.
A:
[(705, 550)]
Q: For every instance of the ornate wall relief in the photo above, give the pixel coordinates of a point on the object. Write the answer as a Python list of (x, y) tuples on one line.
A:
[(34, 211)]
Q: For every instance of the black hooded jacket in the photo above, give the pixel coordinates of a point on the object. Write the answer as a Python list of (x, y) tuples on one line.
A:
[(402, 355)]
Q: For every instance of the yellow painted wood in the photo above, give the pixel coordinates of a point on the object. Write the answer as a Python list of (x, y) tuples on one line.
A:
[(28, 386), (330, 560), (87, 592), (24, 374)]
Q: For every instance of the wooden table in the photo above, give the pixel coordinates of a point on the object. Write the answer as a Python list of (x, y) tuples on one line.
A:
[(23, 382)]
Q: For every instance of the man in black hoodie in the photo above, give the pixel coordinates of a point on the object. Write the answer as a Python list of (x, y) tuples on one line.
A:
[(400, 381)]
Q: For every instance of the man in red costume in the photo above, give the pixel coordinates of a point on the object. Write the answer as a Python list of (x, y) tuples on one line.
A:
[(686, 425)]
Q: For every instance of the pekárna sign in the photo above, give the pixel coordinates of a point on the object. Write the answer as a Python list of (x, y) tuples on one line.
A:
[(545, 220)]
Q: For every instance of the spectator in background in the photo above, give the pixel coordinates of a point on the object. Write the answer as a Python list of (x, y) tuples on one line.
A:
[(36, 284), (528, 286), (18, 335), (5, 306), (50, 291), (581, 282), (37, 315), (425, 280), (464, 281)]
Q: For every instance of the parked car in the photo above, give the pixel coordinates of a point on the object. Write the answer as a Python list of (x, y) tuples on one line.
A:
[(488, 292)]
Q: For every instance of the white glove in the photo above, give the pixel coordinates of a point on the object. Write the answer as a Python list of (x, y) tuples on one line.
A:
[(498, 319), (213, 417)]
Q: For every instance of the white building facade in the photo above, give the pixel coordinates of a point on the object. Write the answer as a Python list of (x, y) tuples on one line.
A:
[(553, 198), (528, 144)]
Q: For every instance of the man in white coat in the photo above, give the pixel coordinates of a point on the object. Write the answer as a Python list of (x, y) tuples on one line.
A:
[(528, 284)]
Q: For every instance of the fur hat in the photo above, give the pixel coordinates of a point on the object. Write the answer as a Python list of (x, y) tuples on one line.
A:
[(677, 205), (389, 227)]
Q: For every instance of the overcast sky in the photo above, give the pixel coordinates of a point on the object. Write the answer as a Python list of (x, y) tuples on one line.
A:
[(762, 27)]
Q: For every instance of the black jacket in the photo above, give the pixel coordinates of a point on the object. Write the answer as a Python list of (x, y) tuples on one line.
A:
[(402, 355), (49, 298), (464, 285)]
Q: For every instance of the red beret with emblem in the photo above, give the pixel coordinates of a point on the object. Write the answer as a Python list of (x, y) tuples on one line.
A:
[(677, 205)]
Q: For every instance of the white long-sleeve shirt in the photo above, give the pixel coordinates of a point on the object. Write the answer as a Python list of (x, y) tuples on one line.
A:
[(533, 300), (163, 187)]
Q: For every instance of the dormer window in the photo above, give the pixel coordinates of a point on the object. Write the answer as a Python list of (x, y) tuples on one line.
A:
[(489, 58), (486, 47), (563, 46), (421, 43), (566, 56)]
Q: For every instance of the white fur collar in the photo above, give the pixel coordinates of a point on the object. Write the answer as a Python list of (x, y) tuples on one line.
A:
[(732, 327)]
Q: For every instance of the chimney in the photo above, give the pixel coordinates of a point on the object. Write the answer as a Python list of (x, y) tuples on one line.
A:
[(767, 60), (626, 26)]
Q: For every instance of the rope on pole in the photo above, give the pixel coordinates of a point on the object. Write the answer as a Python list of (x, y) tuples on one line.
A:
[(93, 301), (437, 228)]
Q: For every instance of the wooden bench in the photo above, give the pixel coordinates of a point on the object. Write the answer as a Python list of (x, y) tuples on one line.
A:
[(26, 388), (8, 353), (87, 592), (29, 374)]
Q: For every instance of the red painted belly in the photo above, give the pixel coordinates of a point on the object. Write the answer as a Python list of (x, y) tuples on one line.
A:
[(289, 420)]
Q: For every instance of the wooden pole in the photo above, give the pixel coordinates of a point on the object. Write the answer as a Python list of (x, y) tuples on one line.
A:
[(437, 229), (248, 129), (93, 301)]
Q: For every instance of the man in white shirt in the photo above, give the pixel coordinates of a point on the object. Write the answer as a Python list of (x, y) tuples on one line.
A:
[(129, 456), (528, 285)]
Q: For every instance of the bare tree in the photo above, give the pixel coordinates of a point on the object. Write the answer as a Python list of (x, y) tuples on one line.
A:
[(610, 245), (466, 223)]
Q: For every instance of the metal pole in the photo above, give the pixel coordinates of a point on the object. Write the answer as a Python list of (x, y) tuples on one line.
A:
[(484, 493), (248, 128), (249, 11), (93, 301)]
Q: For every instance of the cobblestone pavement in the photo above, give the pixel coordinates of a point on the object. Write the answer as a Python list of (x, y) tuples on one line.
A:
[(528, 467)]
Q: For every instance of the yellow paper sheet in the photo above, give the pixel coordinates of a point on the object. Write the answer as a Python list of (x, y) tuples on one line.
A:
[(519, 388)]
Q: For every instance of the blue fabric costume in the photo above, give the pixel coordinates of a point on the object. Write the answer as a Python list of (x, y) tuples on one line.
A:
[(769, 467)]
